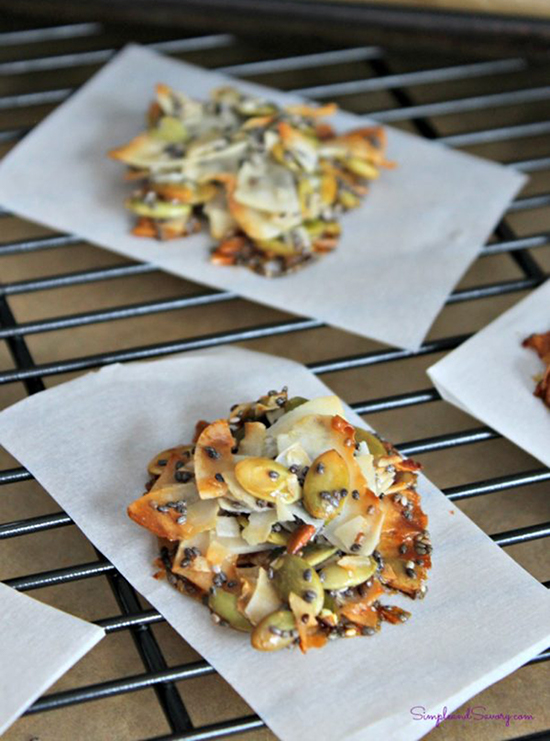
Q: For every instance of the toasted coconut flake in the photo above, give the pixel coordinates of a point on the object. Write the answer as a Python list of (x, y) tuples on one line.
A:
[(263, 600), (168, 524), (213, 458), (253, 442)]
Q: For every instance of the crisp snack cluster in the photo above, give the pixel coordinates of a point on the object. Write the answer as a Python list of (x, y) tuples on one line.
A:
[(289, 522), (540, 343), (271, 182)]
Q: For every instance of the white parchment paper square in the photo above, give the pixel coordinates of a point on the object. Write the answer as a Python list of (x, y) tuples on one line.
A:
[(88, 443), (491, 376), (401, 252), (38, 644)]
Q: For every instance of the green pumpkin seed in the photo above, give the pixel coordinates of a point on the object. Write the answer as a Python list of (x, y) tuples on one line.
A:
[(375, 445), (275, 631), (334, 577), (295, 574), (276, 246), (330, 604), (170, 129), (266, 479), (278, 538), (315, 554), (318, 228), (294, 403), (224, 604), (362, 168), (325, 481), (158, 209), (348, 199)]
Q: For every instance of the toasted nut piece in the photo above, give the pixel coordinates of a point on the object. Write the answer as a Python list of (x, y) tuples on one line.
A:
[(299, 538)]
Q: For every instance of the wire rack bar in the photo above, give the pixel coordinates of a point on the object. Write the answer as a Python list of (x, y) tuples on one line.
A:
[(218, 730), (120, 686), (99, 56), (408, 79), (50, 33), (200, 299), (536, 164), (463, 105), (504, 133)]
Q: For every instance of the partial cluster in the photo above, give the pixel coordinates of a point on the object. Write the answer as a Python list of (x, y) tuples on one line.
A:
[(540, 343)]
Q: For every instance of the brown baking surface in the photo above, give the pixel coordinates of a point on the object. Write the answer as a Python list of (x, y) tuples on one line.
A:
[(137, 715), (531, 8)]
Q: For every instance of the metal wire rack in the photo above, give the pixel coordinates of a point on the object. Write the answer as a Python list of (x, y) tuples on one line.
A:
[(496, 107)]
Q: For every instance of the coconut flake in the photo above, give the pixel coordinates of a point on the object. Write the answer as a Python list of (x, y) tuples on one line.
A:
[(264, 599), (259, 526)]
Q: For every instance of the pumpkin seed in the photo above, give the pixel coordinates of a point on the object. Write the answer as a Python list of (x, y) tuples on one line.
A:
[(158, 209), (334, 577), (330, 604), (327, 478), (277, 538), (170, 129), (275, 631), (362, 168), (224, 604), (375, 445), (315, 554), (294, 403), (318, 228), (276, 246), (348, 199), (295, 574), (266, 479)]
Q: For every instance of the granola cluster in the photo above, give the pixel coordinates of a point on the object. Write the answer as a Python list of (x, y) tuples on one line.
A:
[(290, 523), (270, 182)]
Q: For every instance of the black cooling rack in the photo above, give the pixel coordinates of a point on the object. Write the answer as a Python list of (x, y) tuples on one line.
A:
[(29, 62)]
